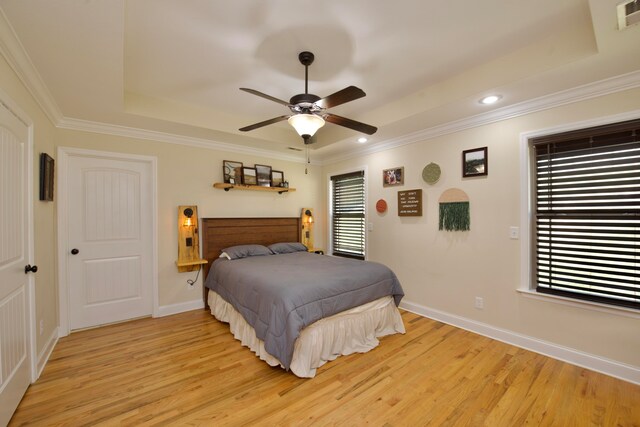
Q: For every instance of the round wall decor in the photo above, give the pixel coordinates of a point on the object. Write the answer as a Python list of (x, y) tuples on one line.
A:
[(431, 173), (381, 206)]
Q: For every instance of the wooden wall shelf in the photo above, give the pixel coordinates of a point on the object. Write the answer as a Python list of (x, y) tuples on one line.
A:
[(198, 261), (190, 265), (227, 187)]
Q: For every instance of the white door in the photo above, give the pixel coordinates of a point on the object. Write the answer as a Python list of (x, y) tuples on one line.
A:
[(110, 247), (15, 359)]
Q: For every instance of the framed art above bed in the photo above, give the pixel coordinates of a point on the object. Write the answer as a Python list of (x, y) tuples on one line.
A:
[(263, 173)]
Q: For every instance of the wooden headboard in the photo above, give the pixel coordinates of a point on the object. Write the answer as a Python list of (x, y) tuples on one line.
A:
[(220, 233)]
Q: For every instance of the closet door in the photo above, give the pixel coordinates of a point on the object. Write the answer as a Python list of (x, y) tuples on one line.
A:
[(15, 352), (110, 248)]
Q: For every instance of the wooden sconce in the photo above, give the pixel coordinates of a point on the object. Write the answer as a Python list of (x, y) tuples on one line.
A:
[(306, 233), (188, 241)]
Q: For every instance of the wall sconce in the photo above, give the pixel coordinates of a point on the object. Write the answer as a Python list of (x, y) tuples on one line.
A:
[(306, 233), (188, 241), (188, 214), (309, 215)]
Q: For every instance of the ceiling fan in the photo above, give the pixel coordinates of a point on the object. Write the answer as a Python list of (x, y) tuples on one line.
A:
[(309, 110)]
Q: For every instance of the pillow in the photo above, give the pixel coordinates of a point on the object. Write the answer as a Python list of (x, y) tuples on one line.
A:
[(244, 251), (287, 248)]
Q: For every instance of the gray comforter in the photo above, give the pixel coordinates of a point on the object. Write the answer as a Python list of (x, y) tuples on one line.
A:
[(278, 295)]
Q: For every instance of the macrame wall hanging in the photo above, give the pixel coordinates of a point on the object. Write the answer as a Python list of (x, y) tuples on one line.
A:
[(454, 210)]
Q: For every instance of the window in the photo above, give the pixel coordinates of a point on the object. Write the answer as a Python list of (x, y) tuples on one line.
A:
[(587, 214), (347, 223)]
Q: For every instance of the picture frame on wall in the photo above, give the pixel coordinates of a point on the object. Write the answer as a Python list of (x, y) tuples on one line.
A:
[(232, 171), (249, 176), (263, 173), (47, 169), (277, 178), (393, 176), (475, 162)]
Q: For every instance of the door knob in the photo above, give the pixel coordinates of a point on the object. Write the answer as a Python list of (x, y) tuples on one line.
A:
[(30, 268), (75, 251)]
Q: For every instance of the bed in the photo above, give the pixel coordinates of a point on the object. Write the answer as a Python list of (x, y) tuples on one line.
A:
[(294, 309)]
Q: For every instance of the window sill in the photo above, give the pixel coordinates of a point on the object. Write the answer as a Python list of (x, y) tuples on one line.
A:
[(587, 305)]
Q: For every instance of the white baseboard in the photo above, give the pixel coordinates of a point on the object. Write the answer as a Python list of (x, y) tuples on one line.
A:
[(168, 310), (44, 355), (575, 357)]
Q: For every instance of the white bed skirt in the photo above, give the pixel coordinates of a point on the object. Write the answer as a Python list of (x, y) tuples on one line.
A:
[(355, 330)]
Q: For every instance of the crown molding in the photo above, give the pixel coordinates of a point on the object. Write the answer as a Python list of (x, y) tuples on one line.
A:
[(569, 96), (17, 58), (129, 132)]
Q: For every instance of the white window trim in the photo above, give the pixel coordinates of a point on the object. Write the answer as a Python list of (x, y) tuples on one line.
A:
[(526, 287)]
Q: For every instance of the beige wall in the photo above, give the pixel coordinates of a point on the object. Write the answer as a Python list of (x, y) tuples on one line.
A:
[(185, 177), (442, 271), (44, 212), (446, 270)]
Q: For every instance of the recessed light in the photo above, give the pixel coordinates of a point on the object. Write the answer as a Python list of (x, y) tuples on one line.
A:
[(362, 140), (491, 99)]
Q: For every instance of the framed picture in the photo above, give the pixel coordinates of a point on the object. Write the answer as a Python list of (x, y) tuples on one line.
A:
[(47, 165), (249, 176), (277, 178), (475, 162), (232, 171), (264, 175), (393, 176)]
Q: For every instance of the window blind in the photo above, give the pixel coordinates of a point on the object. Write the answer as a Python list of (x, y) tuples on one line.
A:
[(587, 214), (348, 205)]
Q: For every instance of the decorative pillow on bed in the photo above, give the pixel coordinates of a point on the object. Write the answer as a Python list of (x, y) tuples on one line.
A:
[(244, 251), (287, 248)]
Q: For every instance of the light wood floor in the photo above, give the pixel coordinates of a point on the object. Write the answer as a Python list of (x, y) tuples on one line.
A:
[(188, 370)]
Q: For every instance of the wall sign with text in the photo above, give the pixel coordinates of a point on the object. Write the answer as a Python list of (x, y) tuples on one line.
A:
[(410, 203)]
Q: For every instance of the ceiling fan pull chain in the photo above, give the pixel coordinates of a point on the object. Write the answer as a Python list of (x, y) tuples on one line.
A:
[(306, 172)]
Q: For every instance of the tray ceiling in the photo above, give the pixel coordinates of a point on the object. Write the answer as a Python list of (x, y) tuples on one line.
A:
[(175, 67)]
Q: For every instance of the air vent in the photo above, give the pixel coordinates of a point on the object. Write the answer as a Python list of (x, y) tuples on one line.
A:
[(628, 13), (295, 148)]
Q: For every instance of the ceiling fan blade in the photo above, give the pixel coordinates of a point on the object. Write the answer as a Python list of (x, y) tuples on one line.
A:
[(264, 95), (265, 123), (340, 97), (351, 124)]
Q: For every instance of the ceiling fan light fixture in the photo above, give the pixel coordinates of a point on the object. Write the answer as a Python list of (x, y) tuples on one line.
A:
[(308, 110), (306, 124)]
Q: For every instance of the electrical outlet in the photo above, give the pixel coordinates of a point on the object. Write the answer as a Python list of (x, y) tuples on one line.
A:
[(41, 326), (514, 233), (479, 303)]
